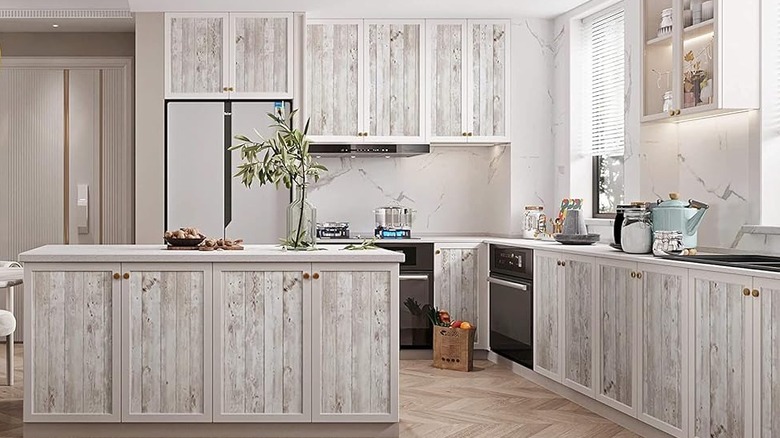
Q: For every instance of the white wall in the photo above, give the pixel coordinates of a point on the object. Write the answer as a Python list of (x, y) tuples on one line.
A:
[(149, 128)]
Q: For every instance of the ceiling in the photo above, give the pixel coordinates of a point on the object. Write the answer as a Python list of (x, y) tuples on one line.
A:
[(313, 9)]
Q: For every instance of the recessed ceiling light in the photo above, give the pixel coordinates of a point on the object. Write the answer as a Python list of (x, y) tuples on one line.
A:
[(55, 25)]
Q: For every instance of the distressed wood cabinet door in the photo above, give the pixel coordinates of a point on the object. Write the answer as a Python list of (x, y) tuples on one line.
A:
[(261, 50), (196, 55), (166, 343), (355, 343), (766, 358), (334, 79), (72, 356), (262, 349), (394, 80), (579, 322), (488, 45), (618, 287), (447, 76), (664, 348), (721, 367), (548, 319), (456, 282)]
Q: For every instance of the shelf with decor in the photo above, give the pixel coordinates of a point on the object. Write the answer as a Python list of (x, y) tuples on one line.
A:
[(701, 58)]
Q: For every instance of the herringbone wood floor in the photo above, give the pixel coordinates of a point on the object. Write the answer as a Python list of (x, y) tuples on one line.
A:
[(490, 402)]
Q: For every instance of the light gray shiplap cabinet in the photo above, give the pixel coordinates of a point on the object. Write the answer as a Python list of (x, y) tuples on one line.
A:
[(579, 321), (721, 367), (766, 358), (72, 357), (262, 342), (548, 318), (364, 80), (355, 343), (618, 316), (459, 284), (664, 356), (229, 55), (166, 345), (468, 81), (196, 55)]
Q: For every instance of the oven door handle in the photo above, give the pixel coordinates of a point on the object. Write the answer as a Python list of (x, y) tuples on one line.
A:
[(412, 277), (507, 283)]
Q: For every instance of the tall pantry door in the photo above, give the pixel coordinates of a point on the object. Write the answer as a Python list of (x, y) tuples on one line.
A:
[(64, 123)]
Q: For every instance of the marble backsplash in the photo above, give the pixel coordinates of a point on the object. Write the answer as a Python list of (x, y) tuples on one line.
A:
[(454, 189)]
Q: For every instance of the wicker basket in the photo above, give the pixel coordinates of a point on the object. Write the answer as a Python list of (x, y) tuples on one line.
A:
[(453, 348)]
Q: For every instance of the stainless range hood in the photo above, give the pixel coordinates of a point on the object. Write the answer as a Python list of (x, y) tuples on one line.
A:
[(368, 150)]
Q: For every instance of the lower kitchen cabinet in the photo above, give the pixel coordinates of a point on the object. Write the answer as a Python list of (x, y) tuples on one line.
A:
[(262, 342), (73, 356), (166, 317), (356, 379), (766, 356), (579, 322), (663, 342), (458, 285), (618, 289), (722, 354), (547, 314)]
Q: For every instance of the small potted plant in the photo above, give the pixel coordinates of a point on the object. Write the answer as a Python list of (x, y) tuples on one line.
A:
[(284, 159)]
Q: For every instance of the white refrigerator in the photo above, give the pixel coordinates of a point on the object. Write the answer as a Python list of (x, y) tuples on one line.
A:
[(200, 188)]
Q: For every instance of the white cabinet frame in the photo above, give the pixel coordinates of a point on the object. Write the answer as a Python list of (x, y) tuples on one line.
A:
[(116, 346), (316, 322), (218, 303), (206, 416)]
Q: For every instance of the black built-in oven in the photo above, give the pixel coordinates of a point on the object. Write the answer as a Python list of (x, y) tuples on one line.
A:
[(511, 303), (416, 292)]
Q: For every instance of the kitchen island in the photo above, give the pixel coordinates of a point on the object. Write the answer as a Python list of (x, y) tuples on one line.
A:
[(141, 334)]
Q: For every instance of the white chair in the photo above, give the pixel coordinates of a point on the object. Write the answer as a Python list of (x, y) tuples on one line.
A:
[(11, 275)]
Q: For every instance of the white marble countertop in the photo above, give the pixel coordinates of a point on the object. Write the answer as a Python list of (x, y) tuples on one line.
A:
[(158, 253)]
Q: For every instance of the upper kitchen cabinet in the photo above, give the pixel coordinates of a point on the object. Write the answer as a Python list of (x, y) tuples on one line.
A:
[(700, 58), (468, 78), (364, 80), (228, 56)]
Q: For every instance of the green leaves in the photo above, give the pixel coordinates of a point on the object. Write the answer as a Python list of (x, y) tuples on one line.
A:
[(285, 155)]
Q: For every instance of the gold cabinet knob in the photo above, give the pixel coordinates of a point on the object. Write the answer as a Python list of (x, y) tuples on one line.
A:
[(671, 113), (316, 275), (746, 292), (755, 293), (305, 275), (438, 251), (558, 262), (471, 134), (117, 276), (126, 276), (465, 134), (563, 262), (633, 274), (224, 88), (639, 275), (678, 112)]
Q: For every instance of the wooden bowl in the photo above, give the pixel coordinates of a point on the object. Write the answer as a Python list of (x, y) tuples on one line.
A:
[(172, 241)]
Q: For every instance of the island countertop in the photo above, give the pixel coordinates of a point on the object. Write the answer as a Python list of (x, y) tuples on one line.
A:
[(250, 254)]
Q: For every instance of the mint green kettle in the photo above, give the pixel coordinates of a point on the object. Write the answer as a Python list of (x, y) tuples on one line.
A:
[(675, 215)]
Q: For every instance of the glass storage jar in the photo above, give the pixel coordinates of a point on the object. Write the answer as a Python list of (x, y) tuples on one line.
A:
[(636, 234), (535, 222)]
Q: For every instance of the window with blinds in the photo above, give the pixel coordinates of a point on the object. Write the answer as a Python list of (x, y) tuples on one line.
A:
[(603, 81)]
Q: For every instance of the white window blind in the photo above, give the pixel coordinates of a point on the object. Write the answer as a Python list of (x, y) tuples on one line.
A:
[(604, 82)]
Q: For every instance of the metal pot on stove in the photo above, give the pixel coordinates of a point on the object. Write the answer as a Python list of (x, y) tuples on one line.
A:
[(389, 218)]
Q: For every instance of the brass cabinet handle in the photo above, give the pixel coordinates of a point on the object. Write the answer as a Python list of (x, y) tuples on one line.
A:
[(117, 276), (126, 276), (639, 275), (671, 113), (225, 89), (563, 262), (633, 274), (558, 262), (746, 292), (465, 134), (678, 112), (755, 293), (471, 134), (438, 251), (305, 275), (316, 275)]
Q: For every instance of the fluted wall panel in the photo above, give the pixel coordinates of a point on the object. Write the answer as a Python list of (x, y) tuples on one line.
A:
[(117, 159)]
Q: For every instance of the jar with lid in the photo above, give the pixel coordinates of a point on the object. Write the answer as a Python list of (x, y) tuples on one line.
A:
[(636, 235), (535, 222)]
